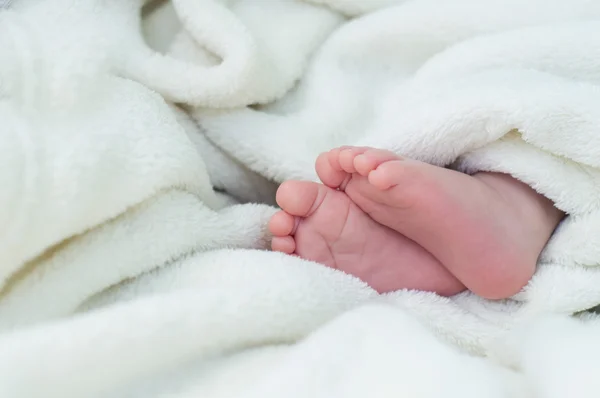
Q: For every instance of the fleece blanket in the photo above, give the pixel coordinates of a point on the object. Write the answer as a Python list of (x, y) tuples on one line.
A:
[(141, 146)]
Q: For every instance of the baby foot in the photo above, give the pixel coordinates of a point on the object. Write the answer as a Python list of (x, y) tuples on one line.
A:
[(322, 224), (487, 230)]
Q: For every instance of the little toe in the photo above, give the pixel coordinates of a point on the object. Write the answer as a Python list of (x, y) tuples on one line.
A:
[(282, 224), (368, 161), (284, 244), (300, 198), (328, 174)]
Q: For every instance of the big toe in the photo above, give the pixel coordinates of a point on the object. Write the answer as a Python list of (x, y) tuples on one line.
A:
[(300, 198)]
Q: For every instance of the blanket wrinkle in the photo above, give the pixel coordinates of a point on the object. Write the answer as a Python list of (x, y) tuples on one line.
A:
[(58, 185), (353, 8), (250, 71), (159, 25), (131, 131), (153, 318), (351, 117), (400, 36), (364, 344), (166, 218), (226, 173)]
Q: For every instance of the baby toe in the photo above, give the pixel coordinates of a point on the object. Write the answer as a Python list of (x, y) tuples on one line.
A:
[(285, 244), (281, 224)]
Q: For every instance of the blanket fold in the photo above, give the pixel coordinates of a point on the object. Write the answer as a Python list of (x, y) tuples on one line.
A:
[(254, 66), (142, 144), (185, 296)]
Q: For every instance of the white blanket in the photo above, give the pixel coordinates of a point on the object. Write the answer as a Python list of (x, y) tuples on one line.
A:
[(131, 258)]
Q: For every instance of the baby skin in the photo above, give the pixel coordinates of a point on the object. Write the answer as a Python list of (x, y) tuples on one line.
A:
[(397, 223)]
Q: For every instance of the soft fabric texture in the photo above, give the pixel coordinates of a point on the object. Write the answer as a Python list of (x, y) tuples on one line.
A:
[(141, 147)]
